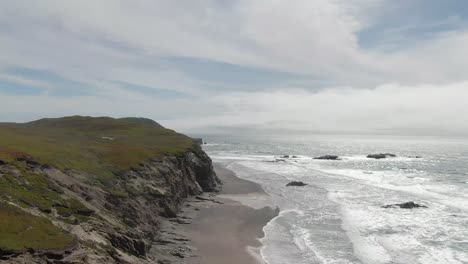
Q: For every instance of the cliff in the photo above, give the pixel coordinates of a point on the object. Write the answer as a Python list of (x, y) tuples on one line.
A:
[(93, 190)]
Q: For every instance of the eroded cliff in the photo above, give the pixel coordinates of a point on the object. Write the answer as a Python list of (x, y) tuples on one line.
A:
[(85, 221)]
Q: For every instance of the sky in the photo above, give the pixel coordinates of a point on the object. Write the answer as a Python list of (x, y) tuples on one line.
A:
[(322, 66)]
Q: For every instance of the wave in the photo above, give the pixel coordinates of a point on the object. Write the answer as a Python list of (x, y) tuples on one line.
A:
[(378, 235)]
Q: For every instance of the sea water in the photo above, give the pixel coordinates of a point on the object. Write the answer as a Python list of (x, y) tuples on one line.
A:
[(338, 217)]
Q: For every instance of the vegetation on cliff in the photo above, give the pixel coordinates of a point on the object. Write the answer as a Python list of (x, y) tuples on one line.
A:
[(102, 147), (113, 177), (21, 231)]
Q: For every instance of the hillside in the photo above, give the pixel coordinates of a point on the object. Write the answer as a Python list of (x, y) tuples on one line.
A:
[(101, 147), (81, 188)]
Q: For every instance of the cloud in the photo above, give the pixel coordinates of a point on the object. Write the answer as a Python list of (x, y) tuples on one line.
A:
[(391, 108), (201, 63)]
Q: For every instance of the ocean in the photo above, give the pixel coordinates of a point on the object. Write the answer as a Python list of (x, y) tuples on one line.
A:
[(338, 217)]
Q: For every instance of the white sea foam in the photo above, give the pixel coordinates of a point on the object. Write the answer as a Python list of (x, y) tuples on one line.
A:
[(396, 181), (359, 187), (366, 248), (279, 246), (255, 253), (403, 235), (390, 159), (443, 256), (242, 157)]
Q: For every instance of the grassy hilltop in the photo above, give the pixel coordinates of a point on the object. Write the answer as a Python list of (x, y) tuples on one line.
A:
[(101, 147)]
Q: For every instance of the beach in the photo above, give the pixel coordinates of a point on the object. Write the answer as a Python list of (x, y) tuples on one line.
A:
[(227, 231)]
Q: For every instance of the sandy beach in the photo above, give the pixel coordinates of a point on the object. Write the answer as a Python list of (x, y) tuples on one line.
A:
[(223, 232)]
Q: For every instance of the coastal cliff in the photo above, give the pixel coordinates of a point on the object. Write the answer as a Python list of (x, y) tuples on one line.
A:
[(94, 190)]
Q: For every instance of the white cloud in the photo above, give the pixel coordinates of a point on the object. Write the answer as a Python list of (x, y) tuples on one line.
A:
[(97, 43), (423, 109)]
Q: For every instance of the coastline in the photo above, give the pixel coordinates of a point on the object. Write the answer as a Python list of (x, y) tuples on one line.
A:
[(224, 230)]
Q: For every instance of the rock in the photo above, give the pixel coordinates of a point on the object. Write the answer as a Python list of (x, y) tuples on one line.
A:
[(407, 205), (85, 212), (276, 160), (381, 156), (202, 167), (328, 157), (203, 198), (136, 247), (178, 254), (285, 157), (296, 183), (28, 160), (198, 141)]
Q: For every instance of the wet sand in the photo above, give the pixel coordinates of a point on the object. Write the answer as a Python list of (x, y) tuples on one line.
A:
[(222, 233)]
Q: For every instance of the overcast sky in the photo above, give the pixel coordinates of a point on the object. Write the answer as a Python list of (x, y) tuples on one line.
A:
[(205, 65)]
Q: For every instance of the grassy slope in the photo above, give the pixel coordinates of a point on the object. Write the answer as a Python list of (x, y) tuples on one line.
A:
[(83, 144), (21, 231), (100, 147)]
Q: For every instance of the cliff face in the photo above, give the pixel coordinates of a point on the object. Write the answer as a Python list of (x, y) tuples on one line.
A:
[(119, 223)]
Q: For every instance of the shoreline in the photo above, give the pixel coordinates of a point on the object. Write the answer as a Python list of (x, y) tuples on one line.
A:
[(224, 230)]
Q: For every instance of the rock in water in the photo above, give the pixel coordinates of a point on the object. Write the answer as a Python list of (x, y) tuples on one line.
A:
[(296, 183), (328, 157), (381, 156), (407, 205)]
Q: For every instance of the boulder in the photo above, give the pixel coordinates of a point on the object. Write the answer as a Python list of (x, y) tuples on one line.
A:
[(296, 183), (328, 157), (407, 205), (381, 156)]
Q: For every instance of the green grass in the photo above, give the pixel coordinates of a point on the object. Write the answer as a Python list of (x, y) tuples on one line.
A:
[(35, 190), (22, 231), (29, 189), (101, 147)]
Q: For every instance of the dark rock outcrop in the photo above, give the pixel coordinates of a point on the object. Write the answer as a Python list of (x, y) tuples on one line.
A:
[(381, 156), (296, 183), (328, 157), (276, 160), (136, 247), (288, 157), (407, 205)]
